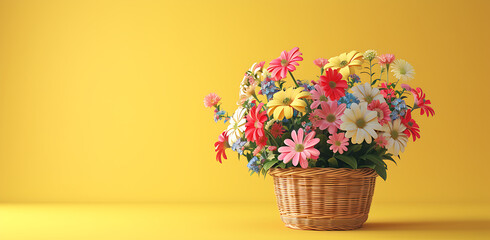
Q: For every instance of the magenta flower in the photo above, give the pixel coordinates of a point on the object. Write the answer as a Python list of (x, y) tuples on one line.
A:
[(286, 62), (300, 148), (318, 96), (320, 62), (339, 142), (329, 116), (406, 87)]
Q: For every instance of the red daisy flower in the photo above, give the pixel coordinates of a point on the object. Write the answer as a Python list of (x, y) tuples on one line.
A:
[(412, 127), (332, 84), (421, 102), (277, 130), (220, 146), (254, 128), (279, 67)]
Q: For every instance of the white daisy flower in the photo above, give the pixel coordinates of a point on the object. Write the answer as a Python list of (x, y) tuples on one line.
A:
[(237, 125), (360, 123), (366, 93), (397, 140), (402, 70)]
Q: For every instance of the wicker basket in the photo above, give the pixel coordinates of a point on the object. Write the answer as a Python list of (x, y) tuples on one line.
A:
[(324, 198)]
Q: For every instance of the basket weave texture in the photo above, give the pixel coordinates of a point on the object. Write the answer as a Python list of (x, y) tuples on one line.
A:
[(324, 198)]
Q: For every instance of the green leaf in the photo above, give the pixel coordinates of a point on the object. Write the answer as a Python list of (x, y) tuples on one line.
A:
[(381, 171), (332, 162), (355, 148), (375, 159), (367, 166), (388, 157), (269, 164), (351, 161), (282, 165)]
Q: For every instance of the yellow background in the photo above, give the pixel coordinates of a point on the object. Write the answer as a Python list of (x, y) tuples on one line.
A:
[(101, 101)]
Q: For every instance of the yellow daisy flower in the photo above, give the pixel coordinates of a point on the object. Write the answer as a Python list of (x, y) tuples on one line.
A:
[(346, 63), (284, 102)]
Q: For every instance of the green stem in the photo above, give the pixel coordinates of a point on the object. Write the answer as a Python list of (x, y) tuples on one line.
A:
[(396, 84), (294, 80), (370, 72), (255, 96), (272, 137), (387, 74)]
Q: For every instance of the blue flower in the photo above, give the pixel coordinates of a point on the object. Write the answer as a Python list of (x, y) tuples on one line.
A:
[(355, 78), (268, 88), (218, 115), (399, 108), (252, 164), (238, 145), (348, 99), (306, 86), (399, 104)]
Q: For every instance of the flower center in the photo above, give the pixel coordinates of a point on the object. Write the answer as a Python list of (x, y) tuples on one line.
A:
[(381, 115), (361, 123), (343, 63), (410, 124), (299, 147), (331, 118), (286, 101), (284, 62), (257, 124), (403, 71), (332, 84), (369, 99), (323, 98), (394, 134), (337, 143)]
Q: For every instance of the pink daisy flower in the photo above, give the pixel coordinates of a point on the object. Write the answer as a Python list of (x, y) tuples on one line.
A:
[(320, 62), (382, 109), (381, 140), (339, 142), (300, 148), (329, 116), (211, 100), (318, 96), (286, 62), (386, 59)]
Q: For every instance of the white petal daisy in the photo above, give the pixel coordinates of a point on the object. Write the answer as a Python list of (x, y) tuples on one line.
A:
[(366, 93), (237, 125), (397, 140), (360, 123), (402, 70)]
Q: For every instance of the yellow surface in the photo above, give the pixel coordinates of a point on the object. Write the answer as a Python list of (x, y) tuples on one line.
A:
[(229, 221), (101, 101)]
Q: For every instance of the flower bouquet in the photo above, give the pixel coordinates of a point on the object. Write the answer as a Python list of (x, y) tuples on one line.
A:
[(324, 141)]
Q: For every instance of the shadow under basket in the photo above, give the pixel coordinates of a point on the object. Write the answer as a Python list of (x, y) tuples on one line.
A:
[(324, 198)]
